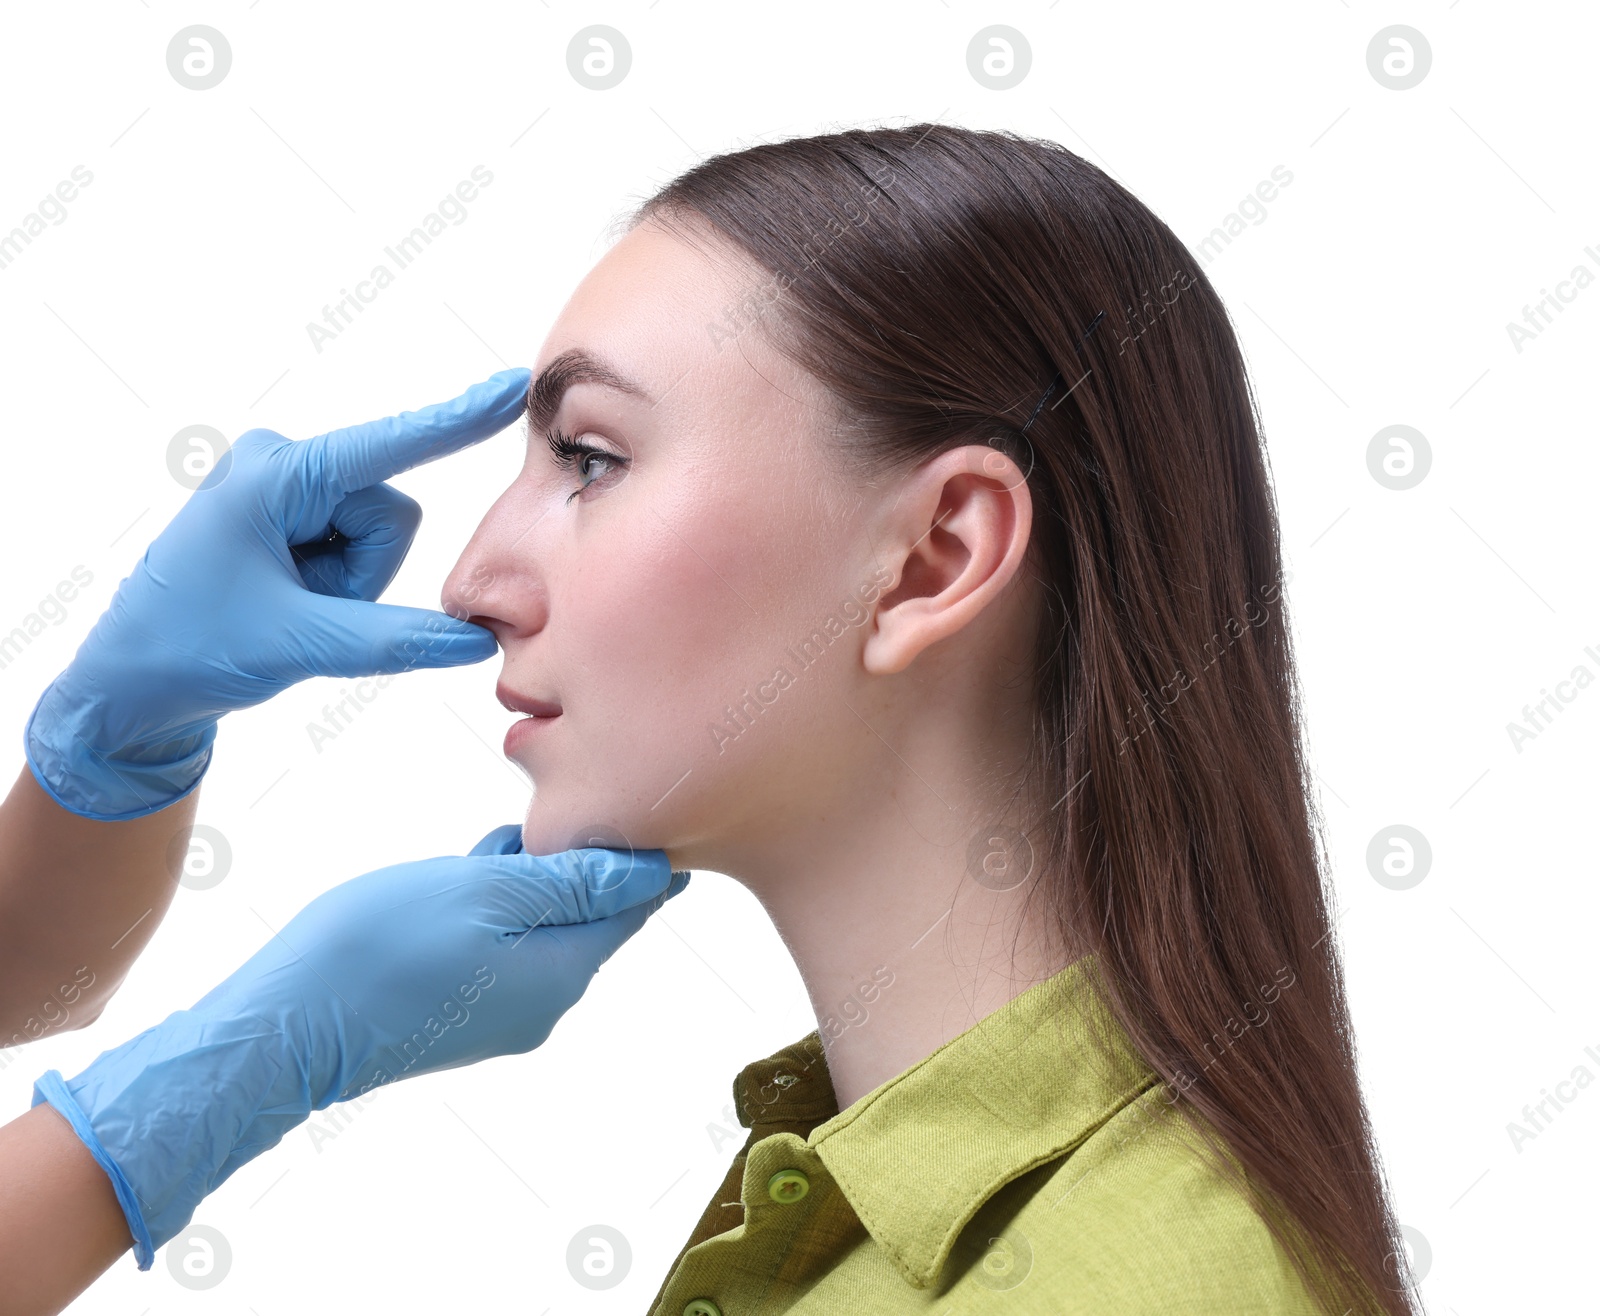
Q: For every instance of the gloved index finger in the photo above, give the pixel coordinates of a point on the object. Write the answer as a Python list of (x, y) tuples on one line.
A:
[(367, 454)]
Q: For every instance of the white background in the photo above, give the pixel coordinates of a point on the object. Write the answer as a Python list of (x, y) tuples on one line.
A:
[(1376, 291)]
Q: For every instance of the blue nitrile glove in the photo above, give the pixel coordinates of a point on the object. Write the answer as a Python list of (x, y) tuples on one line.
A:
[(408, 969), (223, 611)]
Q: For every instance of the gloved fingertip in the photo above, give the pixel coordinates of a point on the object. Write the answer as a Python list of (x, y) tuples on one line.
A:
[(515, 375), (499, 399), (505, 839), (449, 628), (680, 880), (455, 646), (618, 879)]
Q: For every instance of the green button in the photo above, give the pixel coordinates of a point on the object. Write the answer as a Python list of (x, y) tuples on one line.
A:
[(702, 1307), (788, 1186)]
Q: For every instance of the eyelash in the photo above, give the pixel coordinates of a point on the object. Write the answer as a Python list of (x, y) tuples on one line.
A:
[(570, 455)]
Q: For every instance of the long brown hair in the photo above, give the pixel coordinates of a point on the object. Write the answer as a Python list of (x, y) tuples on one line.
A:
[(937, 280)]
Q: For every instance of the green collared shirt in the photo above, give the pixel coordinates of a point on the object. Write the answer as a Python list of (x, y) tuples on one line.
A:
[(1016, 1169)]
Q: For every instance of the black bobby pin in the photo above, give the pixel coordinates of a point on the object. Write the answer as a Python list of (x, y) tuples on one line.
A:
[(1058, 380)]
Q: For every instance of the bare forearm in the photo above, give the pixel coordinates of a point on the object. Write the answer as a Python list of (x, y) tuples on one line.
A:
[(60, 1225), (79, 899)]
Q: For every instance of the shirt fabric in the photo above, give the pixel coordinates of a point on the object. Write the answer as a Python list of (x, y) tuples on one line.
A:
[(1016, 1169)]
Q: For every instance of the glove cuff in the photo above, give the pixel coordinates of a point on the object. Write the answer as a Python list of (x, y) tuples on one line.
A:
[(130, 783), (172, 1113), (52, 1088)]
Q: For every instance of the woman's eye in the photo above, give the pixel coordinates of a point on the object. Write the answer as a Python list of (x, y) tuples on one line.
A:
[(583, 464), (572, 455)]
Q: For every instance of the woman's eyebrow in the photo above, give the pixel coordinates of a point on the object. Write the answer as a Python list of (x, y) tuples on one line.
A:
[(574, 366)]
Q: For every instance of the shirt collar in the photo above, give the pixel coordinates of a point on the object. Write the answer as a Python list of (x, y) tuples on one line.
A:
[(919, 1155)]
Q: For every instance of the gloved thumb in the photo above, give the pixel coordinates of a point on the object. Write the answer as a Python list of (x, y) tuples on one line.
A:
[(351, 637), (595, 943), (573, 887)]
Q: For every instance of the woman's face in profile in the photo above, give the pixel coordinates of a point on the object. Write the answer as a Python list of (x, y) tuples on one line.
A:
[(657, 588)]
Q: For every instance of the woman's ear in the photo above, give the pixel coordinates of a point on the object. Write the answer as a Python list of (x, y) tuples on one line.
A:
[(956, 535)]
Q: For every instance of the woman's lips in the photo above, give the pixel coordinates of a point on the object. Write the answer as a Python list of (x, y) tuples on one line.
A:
[(540, 713), (516, 702)]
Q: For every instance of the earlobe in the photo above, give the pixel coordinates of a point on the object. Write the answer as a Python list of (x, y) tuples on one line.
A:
[(959, 532)]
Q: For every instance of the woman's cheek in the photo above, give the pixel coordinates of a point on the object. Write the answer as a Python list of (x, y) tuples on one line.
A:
[(647, 654)]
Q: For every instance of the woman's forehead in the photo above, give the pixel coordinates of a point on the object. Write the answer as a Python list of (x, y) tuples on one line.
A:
[(676, 320)]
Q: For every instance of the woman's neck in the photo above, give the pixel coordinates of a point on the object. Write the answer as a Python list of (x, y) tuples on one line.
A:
[(909, 929), (892, 981)]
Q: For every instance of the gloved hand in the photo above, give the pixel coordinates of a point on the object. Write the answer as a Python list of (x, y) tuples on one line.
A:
[(406, 970), (222, 612)]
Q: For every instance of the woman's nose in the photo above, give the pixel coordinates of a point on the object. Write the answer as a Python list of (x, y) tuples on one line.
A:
[(465, 588), (495, 582), (498, 581)]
